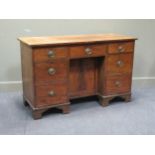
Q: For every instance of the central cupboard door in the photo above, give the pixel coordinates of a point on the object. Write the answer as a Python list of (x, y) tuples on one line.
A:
[(82, 77)]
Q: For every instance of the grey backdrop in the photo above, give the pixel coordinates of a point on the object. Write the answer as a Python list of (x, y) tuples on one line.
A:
[(10, 65)]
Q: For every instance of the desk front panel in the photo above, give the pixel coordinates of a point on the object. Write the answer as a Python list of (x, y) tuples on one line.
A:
[(54, 74)]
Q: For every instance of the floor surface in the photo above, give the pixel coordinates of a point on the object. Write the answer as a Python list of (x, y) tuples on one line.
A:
[(87, 117)]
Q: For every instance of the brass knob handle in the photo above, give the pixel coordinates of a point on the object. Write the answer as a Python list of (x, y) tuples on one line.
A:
[(120, 63), (88, 51), (51, 71), (121, 49), (117, 83), (51, 54), (51, 93)]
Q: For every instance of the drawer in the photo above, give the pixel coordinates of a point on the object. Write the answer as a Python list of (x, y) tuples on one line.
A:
[(121, 47), (56, 70), (119, 64), (48, 54), (51, 94), (87, 51), (117, 84)]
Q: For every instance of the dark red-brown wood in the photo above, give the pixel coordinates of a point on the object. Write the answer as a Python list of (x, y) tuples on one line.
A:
[(53, 74), (93, 51)]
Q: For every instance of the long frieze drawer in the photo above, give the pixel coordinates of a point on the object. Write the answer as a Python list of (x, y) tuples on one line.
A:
[(117, 84), (56, 70), (87, 51), (54, 93), (121, 47), (119, 64), (48, 54)]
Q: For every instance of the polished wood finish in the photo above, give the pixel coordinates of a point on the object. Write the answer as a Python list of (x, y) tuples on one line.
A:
[(57, 69), (121, 47), (119, 64), (42, 54), (82, 77), (104, 101), (51, 94), (74, 39), (87, 51), (65, 108), (27, 72), (42, 71), (117, 84)]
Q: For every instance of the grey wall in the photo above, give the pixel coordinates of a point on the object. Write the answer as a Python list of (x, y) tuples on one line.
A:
[(144, 30)]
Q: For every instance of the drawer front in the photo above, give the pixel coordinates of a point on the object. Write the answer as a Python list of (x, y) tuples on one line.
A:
[(117, 84), (121, 47), (51, 94), (48, 54), (57, 70), (119, 64), (87, 51)]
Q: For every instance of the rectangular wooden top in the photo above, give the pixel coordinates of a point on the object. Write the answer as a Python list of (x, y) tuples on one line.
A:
[(73, 39)]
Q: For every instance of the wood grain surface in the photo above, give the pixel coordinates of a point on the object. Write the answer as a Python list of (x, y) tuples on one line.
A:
[(73, 39), (58, 69)]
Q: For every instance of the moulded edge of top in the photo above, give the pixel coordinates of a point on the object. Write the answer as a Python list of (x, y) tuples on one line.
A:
[(73, 39)]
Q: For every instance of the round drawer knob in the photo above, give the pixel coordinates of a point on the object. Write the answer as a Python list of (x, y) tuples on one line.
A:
[(117, 83), (51, 93), (121, 49), (51, 54), (88, 51), (51, 71), (120, 63)]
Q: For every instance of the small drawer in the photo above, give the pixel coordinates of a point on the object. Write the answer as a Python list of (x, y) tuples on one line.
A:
[(117, 84), (56, 70), (121, 47), (48, 54), (87, 51), (51, 94), (119, 64)]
